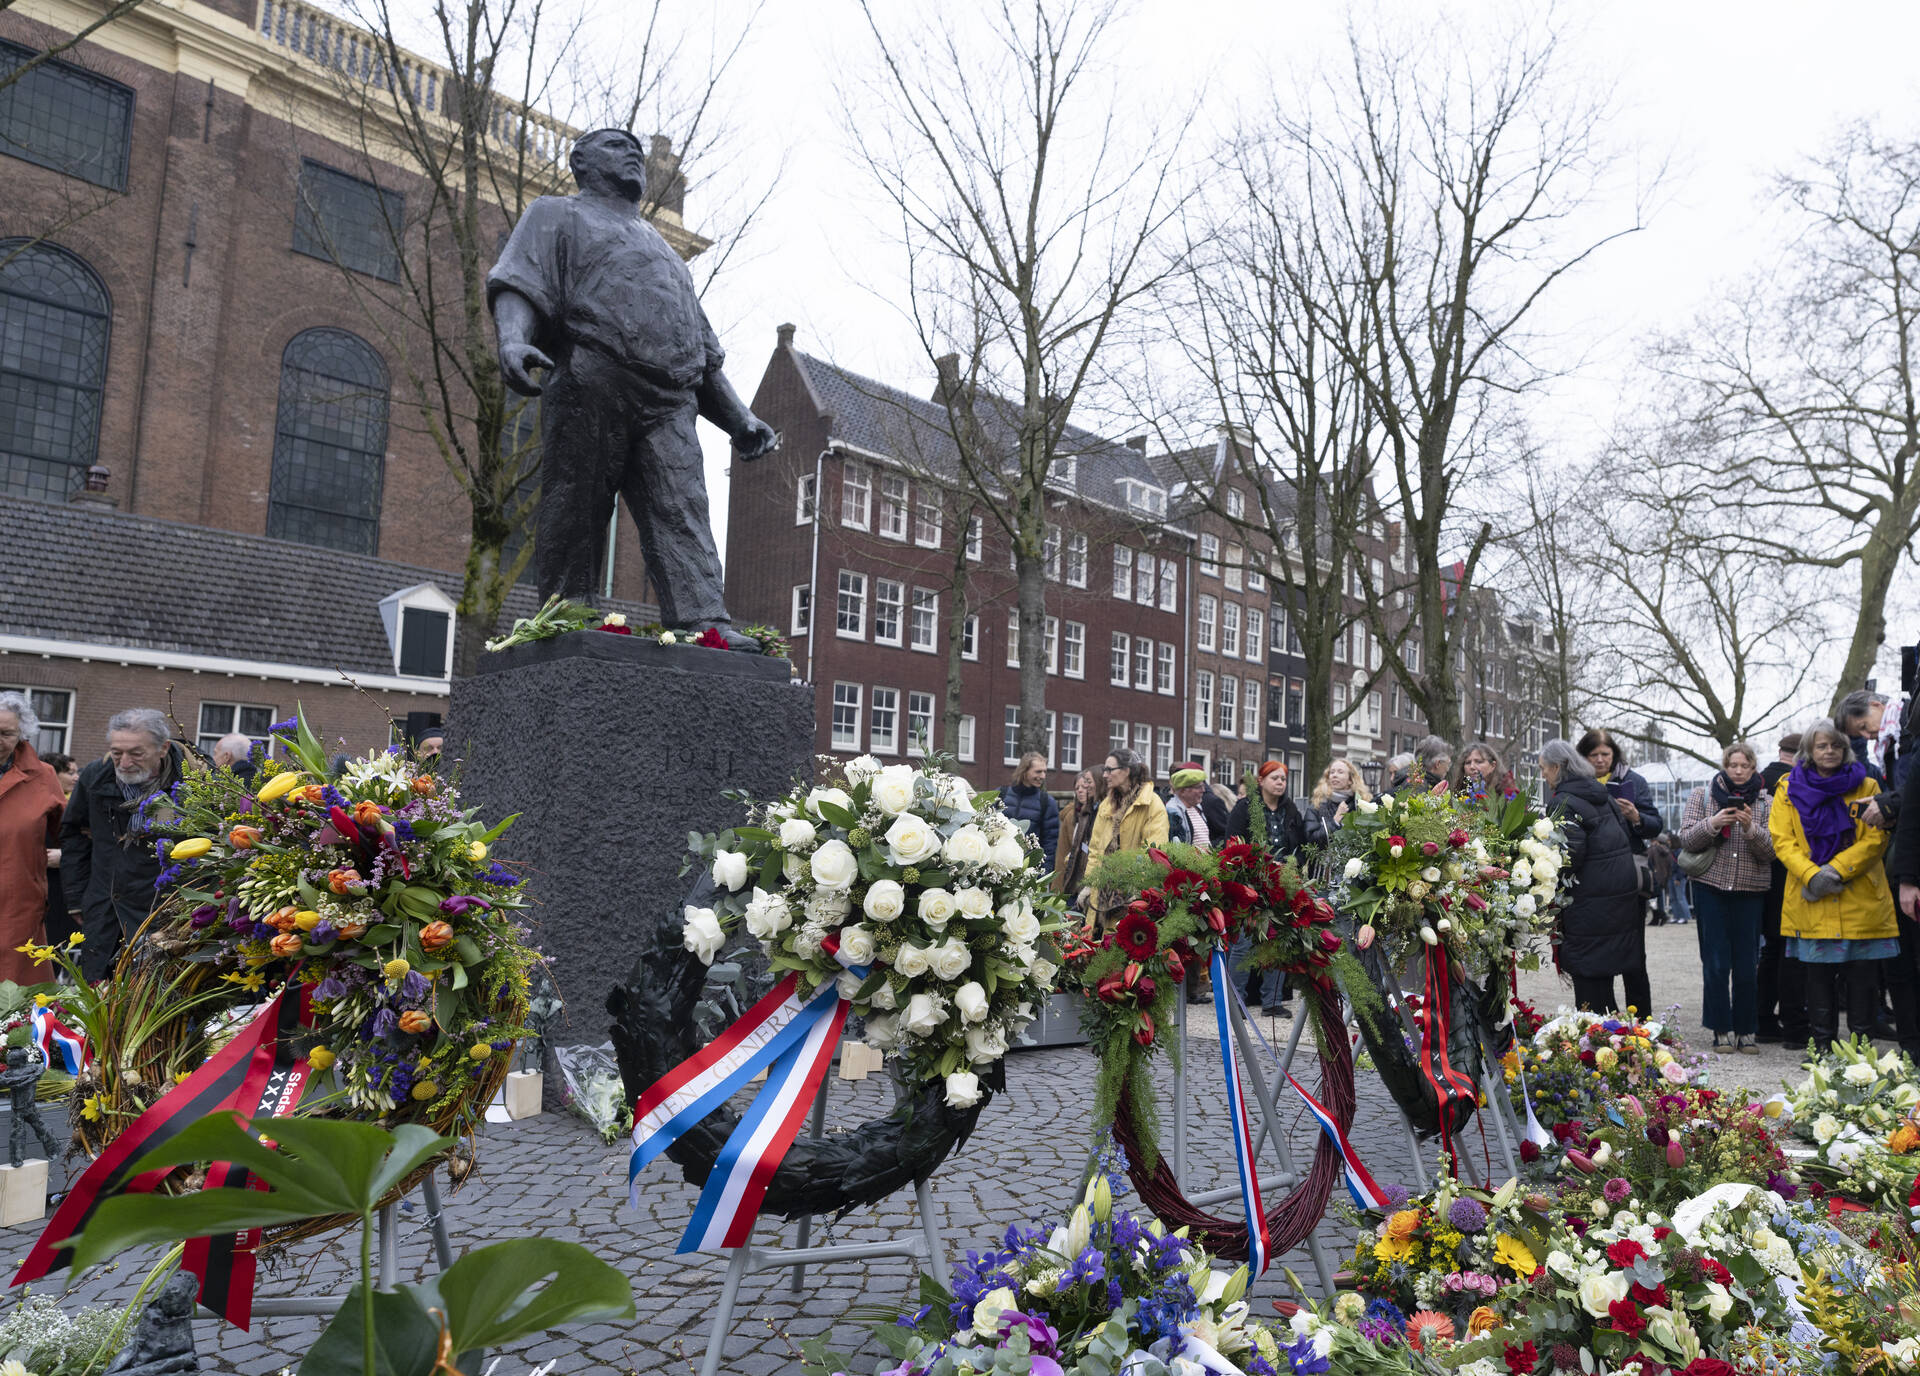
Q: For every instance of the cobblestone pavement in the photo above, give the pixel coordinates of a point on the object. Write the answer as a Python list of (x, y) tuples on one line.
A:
[(551, 1174)]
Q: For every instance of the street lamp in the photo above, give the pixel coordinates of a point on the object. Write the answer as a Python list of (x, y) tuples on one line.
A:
[(1370, 771)]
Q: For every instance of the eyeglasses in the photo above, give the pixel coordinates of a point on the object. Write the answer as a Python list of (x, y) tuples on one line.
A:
[(1115, 768)]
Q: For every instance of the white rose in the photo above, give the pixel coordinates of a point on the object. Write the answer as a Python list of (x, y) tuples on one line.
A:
[(885, 900), (892, 789), (910, 960), (954, 793), (1719, 1301), (837, 796), (1905, 1353), (1860, 1074), (975, 903), (883, 1032), (971, 999), (1022, 926), (1431, 874), (1395, 851), (963, 1091), (701, 933), (1007, 853), (1522, 876), (950, 959), (968, 846), (1599, 1289), (936, 908), (910, 841), (1543, 828), (730, 870), (846, 984), (767, 914), (1825, 1128), (1524, 905), (1023, 956), (1562, 1265), (1044, 970), (1355, 868), (833, 866), (986, 1044), (793, 868), (827, 906), (925, 1013), (797, 834), (883, 997), (862, 767), (1368, 807), (856, 944)]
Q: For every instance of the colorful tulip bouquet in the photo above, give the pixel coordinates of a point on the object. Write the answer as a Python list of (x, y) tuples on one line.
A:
[(1102, 1292), (930, 915), (1669, 1148), (372, 894), (1189, 903), (1577, 1060)]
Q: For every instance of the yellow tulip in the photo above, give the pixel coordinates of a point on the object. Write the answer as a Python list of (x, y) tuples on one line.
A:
[(477, 851), (278, 786), (190, 849), (306, 921), (319, 1058)]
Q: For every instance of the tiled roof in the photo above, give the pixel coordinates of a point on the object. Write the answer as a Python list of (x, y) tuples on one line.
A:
[(873, 416), (85, 574)]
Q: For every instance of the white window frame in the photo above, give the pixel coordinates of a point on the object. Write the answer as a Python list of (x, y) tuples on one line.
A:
[(1256, 634), (1145, 574), (1236, 503), (1077, 559), (1206, 620), (800, 610), (803, 499), (895, 495), (856, 495), (1052, 638), (1073, 650), (1123, 573), (976, 538), (1050, 539), (927, 519), (1072, 731), (970, 637), (1256, 576), (1163, 665), (42, 746), (843, 591), (845, 695), (1296, 774), (1117, 734), (1169, 586), (1234, 573), (1203, 702), (1210, 555), (1162, 751), (1373, 714), (889, 744), (1250, 720), (1013, 637), (1120, 660), (963, 739), (1229, 704), (1230, 629), (919, 711), (203, 738), (1143, 664), (883, 604), (1143, 740), (1010, 735), (926, 603)]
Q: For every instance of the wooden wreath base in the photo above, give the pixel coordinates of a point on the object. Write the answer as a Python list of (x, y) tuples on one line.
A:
[(1293, 1219), (653, 1031)]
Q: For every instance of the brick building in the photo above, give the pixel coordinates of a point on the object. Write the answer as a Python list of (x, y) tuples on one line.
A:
[(188, 244), (861, 504)]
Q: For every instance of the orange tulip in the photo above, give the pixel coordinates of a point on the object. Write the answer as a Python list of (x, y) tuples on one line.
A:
[(338, 880), (436, 936), (242, 838), (286, 944), (284, 918), (311, 793), (349, 930), (424, 785), (415, 1021), (366, 814)]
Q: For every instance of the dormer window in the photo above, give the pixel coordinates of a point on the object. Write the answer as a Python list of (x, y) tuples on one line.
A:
[(1144, 497), (1065, 470), (419, 623)]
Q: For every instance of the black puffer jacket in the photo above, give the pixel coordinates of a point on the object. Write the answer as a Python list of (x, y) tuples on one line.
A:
[(108, 863), (1600, 929), (1286, 829), (1035, 807)]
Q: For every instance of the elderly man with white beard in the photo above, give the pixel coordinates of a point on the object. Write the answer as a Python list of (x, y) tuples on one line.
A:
[(108, 865)]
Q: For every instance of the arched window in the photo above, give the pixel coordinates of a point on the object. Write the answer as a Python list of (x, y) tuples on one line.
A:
[(54, 319), (329, 443)]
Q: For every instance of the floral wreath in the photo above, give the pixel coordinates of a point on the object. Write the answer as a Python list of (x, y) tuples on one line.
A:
[(1190, 903)]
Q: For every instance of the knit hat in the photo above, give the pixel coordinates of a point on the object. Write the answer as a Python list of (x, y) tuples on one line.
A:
[(1268, 768), (1187, 776)]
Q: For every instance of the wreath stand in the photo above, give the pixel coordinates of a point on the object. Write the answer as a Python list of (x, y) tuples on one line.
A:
[(387, 1246), (925, 1247)]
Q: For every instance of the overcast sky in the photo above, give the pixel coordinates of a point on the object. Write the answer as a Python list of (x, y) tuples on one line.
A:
[(1725, 92)]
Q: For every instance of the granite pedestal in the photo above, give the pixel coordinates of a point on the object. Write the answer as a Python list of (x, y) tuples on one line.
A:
[(612, 748)]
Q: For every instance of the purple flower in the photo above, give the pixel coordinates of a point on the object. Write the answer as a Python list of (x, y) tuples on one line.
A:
[(1042, 1337), (323, 932), (329, 988), (414, 986), (262, 932), (1304, 1361), (290, 724), (169, 875), (498, 873), (1782, 1186), (333, 797), (1616, 1190), (461, 904), (1395, 1195), (383, 1023), (915, 1319), (203, 916), (239, 922), (1467, 1215)]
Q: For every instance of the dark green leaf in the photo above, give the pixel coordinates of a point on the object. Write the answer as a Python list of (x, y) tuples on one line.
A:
[(379, 936), (490, 1299), (467, 949), (839, 816), (406, 1338), (494, 832)]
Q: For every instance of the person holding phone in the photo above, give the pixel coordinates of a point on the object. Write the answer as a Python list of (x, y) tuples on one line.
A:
[(1632, 799), (1728, 818)]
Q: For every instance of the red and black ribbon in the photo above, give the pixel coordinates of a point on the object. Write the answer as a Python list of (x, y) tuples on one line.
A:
[(1452, 1089), (258, 1071)]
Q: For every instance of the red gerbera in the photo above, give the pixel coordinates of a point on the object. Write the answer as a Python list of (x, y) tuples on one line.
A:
[(1139, 935), (1627, 1318)]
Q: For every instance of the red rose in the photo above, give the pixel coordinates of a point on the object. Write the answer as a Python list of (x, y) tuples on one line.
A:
[(1625, 1252), (1626, 1317), (1139, 935), (1396, 840), (1429, 847), (1457, 837), (1529, 1152), (1521, 1359), (618, 630), (1662, 1234), (1708, 1366), (1586, 1058), (1144, 990), (711, 638)]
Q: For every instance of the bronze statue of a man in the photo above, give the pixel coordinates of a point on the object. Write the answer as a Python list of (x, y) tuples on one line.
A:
[(589, 290)]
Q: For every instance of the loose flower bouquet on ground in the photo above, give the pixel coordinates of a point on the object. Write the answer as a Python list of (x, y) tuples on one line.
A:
[(374, 893), (1857, 1114), (931, 916), (1440, 1262), (1671, 1147), (1578, 1059)]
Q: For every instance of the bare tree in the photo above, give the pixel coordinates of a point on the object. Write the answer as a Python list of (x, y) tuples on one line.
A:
[(1031, 227), (470, 130), (1446, 168), (1809, 380)]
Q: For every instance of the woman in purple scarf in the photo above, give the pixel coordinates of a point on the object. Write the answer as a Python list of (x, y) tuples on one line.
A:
[(1838, 915)]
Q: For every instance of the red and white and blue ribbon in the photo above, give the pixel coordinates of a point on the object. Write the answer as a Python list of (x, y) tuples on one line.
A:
[(1366, 1194), (1257, 1238), (54, 1037)]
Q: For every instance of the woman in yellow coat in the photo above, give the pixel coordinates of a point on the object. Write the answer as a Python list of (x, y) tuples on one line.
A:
[(1131, 816), (1837, 917)]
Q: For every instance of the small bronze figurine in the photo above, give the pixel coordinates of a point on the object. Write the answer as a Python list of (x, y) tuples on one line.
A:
[(162, 1342), (590, 293), (25, 1066)]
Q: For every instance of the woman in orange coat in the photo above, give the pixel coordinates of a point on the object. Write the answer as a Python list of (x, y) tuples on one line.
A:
[(30, 808)]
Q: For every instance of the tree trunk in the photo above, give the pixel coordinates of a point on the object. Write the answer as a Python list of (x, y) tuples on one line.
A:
[(1879, 561), (1031, 576), (957, 639)]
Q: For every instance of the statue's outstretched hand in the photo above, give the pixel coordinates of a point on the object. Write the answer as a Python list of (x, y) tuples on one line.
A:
[(517, 362), (756, 439)]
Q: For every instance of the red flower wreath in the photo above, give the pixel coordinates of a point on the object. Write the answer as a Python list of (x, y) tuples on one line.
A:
[(1138, 935)]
